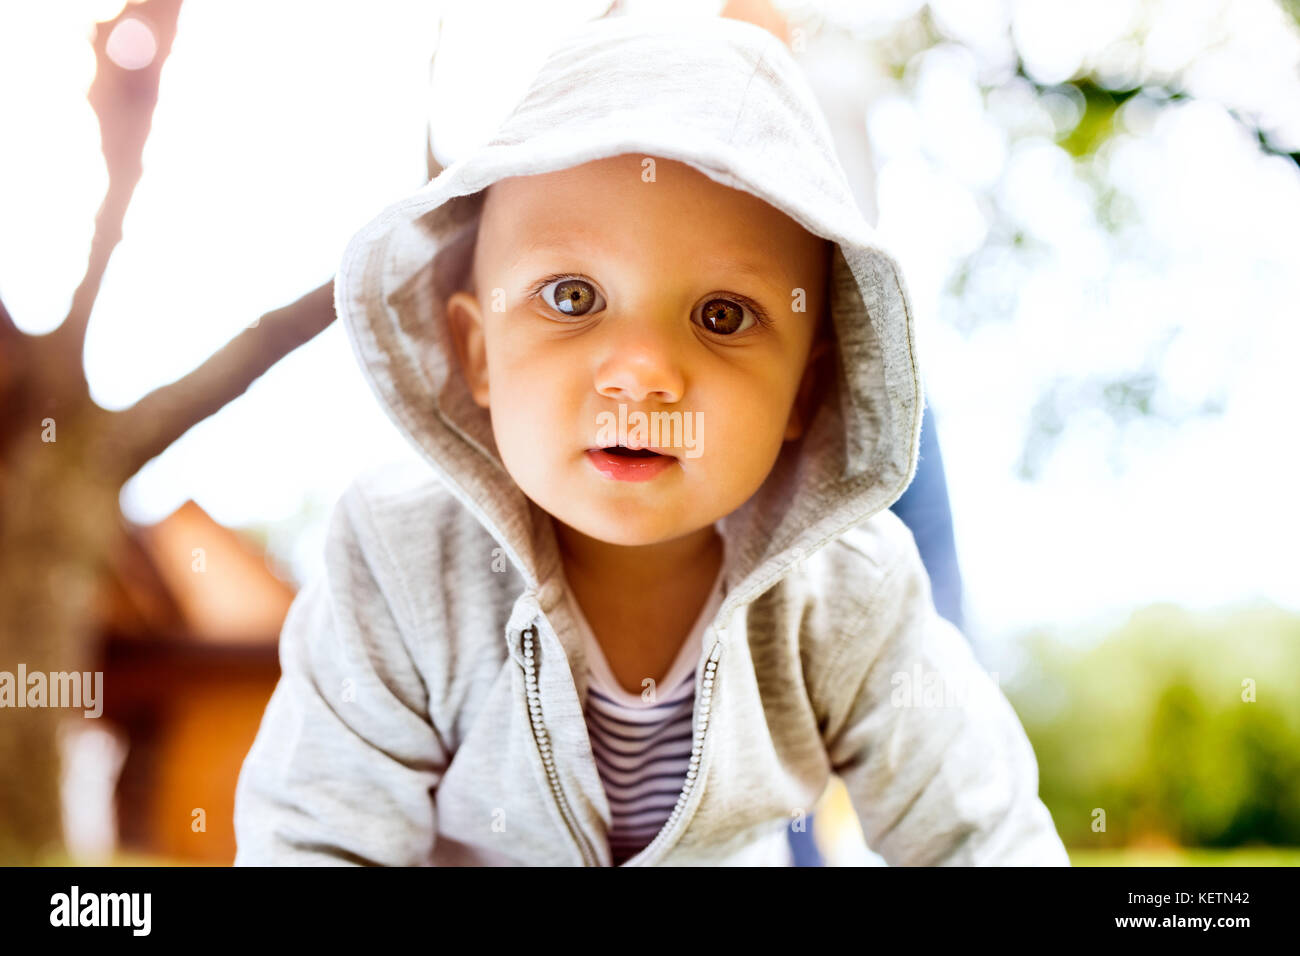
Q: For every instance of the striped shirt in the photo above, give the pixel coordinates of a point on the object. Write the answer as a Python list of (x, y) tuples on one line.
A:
[(642, 747)]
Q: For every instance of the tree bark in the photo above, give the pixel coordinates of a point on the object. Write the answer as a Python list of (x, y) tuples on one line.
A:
[(58, 519)]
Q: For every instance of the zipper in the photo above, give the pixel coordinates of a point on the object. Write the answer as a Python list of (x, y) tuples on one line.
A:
[(540, 735), (543, 743), (697, 749)]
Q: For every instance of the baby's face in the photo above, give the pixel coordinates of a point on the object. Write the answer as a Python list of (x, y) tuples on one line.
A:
[(595, 289)]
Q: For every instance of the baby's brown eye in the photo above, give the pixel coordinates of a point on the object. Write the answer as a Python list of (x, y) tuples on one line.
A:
[(723, 316), (574, 296)]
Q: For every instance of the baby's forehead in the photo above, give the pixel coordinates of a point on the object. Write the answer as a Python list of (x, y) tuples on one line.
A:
[(628, 177), (617, 200)]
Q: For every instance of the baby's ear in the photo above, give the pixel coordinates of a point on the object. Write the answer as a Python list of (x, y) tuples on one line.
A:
[(465, 319)]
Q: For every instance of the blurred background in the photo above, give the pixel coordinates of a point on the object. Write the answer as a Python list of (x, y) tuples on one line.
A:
[(1095, 207)]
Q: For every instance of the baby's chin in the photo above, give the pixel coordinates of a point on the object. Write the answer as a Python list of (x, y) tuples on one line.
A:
[(629, 527)]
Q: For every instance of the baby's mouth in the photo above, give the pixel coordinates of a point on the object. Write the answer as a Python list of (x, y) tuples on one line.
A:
[(624, 452), (622, 463)]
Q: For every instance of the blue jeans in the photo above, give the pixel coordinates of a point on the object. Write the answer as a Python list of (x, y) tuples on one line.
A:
[(924, 509)]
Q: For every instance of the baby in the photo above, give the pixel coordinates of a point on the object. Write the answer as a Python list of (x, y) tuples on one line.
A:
[(682, 304), (647, 596)]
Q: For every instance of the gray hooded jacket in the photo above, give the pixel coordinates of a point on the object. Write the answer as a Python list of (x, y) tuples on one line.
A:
[(430, 708)]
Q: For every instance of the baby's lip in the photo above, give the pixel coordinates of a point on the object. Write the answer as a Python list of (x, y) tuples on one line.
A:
[(637, 446)]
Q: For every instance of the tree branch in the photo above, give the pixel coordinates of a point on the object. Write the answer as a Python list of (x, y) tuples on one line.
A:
[(15, 362), (8, 330), (123, 101), (431, 161), (149, 426)]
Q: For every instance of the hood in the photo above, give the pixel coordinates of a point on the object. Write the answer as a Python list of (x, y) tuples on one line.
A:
[(634, 84)]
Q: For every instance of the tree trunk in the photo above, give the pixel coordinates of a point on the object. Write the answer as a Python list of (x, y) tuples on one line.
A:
[(58, 520)]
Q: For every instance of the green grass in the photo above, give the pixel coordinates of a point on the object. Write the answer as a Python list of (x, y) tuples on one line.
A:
[(1249, 856)]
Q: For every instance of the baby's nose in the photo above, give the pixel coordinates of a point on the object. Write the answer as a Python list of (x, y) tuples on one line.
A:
[(642, 364)]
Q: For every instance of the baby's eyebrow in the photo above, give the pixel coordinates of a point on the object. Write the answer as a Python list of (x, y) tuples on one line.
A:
[(755, 272), (748, 271), (550, 242)]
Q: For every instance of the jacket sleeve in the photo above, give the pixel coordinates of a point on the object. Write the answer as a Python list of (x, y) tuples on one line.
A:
[(345, 764), (935, 761)]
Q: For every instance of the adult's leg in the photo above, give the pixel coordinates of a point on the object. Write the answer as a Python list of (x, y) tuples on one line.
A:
[(925, 510)]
